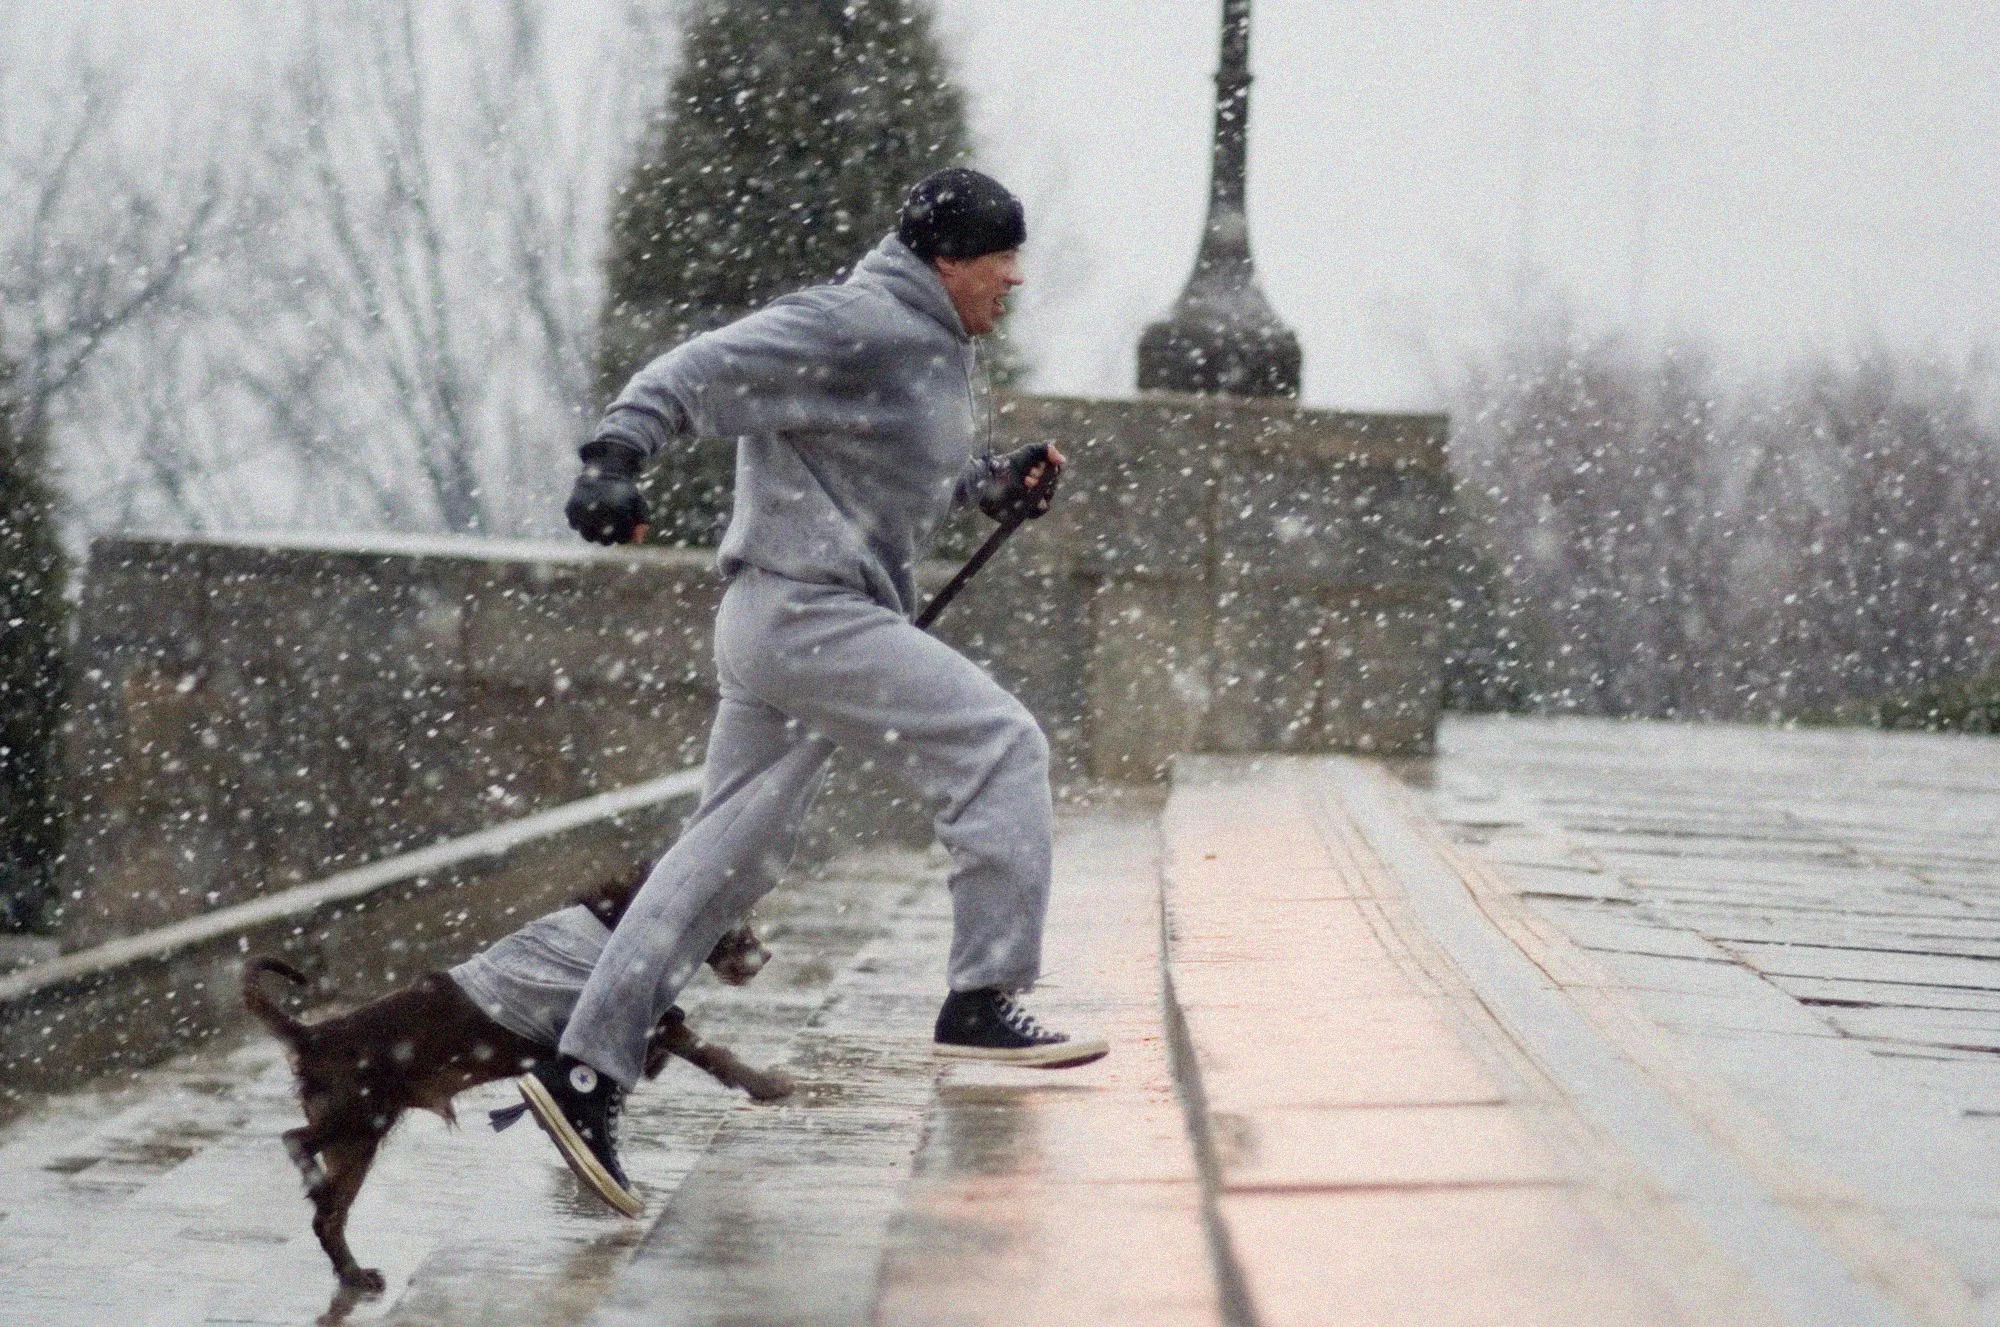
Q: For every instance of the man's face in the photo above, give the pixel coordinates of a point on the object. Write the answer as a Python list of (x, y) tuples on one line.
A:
[(978, 287)]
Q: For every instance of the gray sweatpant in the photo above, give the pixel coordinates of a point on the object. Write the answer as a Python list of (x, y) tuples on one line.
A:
[(804, 668)]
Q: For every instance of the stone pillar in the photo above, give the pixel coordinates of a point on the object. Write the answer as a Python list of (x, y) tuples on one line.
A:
[(1244, 575)]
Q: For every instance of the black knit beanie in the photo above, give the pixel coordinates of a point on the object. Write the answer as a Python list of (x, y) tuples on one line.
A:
[(959, 213)]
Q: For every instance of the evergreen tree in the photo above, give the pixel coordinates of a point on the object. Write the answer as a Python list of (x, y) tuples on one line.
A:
[(790, 133), (32, 619)]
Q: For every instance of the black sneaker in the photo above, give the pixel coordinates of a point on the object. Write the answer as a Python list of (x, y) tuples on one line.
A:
[(578, 1109), (988, 1025)]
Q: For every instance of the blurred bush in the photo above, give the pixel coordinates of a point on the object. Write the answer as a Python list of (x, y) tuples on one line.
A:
[(1648, 536), (1970, 705)]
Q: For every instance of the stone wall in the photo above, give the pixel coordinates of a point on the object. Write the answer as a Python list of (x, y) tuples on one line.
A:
[(113, 1008), (1244, 575), (253, 713)]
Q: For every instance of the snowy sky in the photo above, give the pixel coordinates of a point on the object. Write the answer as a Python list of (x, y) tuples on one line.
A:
[(1822, 171)]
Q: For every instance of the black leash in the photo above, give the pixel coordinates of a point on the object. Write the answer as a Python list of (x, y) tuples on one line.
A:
[(943, 597)]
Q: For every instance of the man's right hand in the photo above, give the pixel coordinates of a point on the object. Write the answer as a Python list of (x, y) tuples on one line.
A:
[(1023, 482), (605, 506)]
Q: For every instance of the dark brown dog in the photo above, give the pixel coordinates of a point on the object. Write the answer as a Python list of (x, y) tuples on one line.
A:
[(420, 1047)]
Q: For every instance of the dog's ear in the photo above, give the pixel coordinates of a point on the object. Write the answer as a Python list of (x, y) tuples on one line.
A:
[(609, 901), (602, 906), (739, 955)]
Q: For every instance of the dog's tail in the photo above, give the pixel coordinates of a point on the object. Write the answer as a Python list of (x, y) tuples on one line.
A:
[(282, 1025)]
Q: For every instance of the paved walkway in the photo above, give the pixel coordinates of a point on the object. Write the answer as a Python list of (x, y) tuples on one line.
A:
[(168, 1201), (1380, 1160), (1809, 922), (1576, 1024)]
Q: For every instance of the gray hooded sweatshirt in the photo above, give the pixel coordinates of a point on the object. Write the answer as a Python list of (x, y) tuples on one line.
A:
[(851, 407)]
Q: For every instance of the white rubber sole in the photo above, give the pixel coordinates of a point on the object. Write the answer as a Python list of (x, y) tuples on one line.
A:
[(574, 1150), (1062, 1055)]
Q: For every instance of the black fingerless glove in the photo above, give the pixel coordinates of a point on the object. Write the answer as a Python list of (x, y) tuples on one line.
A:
[(605, 506), (1008, 497)]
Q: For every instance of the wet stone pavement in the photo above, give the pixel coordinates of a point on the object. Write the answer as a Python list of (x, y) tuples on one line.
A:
[(1576, 1023), (1813, 917), (169, 1201)]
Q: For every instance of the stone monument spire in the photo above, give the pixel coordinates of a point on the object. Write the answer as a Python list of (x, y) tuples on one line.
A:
[(1222, 337)]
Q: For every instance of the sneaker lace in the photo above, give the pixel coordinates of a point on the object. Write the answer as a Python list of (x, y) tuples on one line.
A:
[(614, 1111), (1021, 1020)]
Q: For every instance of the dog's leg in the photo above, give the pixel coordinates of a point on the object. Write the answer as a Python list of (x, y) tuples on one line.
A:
[(724, 1067), (301, 1145), (347, 1163)]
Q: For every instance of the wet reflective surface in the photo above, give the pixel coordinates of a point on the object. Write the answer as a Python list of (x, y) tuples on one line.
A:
[(1810, 920), (1812, 916), (1067, 1196), (169, 1200)]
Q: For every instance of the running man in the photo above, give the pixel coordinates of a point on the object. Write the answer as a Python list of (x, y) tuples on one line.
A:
[(851, 407)]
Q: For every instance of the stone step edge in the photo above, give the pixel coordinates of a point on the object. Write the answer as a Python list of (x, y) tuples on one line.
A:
[(133, 1001), (1331, 785), (346, 886), (1231, 1284), (1908, 1272)]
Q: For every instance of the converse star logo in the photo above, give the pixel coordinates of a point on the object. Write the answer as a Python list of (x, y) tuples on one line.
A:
[(583, 1078)]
